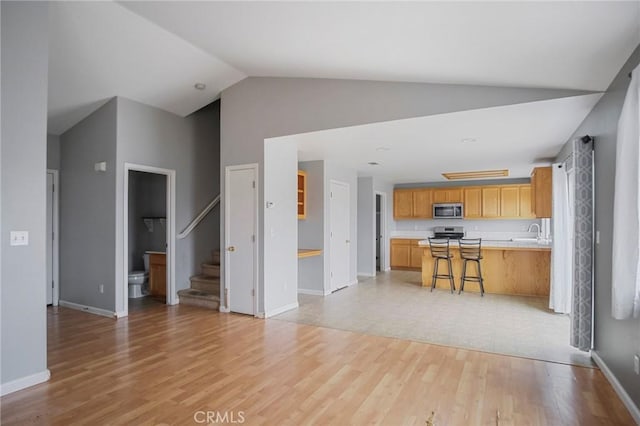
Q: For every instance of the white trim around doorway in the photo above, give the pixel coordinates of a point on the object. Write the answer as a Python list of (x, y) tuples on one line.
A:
[(225, 286), (171, 233), (384, 243), (55, 265)]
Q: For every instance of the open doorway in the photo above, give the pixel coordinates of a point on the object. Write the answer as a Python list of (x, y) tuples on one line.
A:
[(148, 234), (379, 237)]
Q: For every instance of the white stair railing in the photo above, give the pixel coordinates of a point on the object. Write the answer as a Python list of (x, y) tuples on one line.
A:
[(199, 218)]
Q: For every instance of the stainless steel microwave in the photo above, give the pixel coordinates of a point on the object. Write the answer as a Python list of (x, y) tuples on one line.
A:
[(448, 211)]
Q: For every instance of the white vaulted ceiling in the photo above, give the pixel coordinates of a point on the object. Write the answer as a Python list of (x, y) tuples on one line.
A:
[(154, 52)]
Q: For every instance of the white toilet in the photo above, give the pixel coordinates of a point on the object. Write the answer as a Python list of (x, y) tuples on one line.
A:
[(138, 280)]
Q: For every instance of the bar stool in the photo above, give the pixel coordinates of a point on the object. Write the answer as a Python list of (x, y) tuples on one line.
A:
[(470, 251), (440, 251)]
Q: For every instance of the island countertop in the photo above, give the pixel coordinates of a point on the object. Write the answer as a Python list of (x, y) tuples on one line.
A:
[(501, 245)]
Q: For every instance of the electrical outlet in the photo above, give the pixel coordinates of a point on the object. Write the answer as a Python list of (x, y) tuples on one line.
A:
[(101, 288), (636, 363)]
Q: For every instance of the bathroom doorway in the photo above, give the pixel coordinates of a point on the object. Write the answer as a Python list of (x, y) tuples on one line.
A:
[(148, 237)]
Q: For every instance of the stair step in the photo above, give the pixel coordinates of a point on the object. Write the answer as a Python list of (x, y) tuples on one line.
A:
[(202, 299), (210, 270), (215, 257), (206, 284)]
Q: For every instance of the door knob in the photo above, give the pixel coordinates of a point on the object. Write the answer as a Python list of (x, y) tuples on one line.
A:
[(231, 248), (348, 241)]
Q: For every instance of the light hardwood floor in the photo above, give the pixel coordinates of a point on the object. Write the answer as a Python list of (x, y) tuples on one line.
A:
[(163, 364)]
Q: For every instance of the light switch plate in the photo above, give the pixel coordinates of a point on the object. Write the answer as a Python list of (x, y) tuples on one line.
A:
[(19, 238)]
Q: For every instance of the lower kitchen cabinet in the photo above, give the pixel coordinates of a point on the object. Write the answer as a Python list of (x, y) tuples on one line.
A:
[(406, 254)]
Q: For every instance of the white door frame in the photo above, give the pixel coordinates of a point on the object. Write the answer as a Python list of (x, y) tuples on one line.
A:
[(227, 225), (348, 186), (171, 233), (383, 231), (55, 265)]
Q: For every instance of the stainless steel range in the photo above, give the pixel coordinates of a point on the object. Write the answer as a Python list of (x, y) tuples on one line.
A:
[(451, 232)]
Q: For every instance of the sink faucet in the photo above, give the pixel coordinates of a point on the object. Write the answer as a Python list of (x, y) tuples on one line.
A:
[(531, 229)]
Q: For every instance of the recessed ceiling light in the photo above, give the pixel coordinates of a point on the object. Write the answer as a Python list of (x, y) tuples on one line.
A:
[(373, 163), (200, 86), (383, 149), (469, 140)]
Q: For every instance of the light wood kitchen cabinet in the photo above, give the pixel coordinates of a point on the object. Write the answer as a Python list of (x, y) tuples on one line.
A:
[(158, 274), (403, 204), (472, 202), (526, 211), (490, 201), (447, 195), (509, 201), (421, 199), (541, 191), (302, 194), (406, 254)]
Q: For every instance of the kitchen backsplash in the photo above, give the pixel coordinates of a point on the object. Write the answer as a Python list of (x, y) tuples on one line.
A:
[(486, 229)]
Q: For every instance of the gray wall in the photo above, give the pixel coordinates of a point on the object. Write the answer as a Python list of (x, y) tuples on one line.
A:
[(87, 206), (366, 227), (311, 230), (24, 50), (53, 152), (147, 199), (615, 341), (92, 204), (152, 137), (258, 108)]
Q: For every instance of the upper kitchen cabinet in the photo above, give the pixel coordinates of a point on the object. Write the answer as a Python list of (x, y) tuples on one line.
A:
[(422, 203), (526, 210), (472, 202), (403, 204), (302, 194), (541, 191), (509, 201), (491, 201), (447, 195)]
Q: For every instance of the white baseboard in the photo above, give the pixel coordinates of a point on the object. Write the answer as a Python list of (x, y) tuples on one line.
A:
[(280, 310), (121, 314), (624, 396), (366, 274), (224, 309), (349, 284), (310, 292), (260, 315), (90, 309), (386, 269), (24, 382)]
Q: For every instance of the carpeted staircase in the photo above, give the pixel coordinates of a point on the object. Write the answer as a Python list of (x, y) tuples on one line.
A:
[(205, 288)]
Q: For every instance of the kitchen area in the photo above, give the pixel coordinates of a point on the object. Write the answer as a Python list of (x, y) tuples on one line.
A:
[(512, 220)]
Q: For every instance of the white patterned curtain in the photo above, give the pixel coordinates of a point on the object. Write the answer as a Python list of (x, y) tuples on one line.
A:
[(562, 252), (582, 304), (625, 279)]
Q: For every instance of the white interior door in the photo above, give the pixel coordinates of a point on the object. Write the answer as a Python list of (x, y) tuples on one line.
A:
[(49, 283), (339, 260), (240, 236)]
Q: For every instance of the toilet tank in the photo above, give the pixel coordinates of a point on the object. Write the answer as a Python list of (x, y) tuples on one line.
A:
[(145, 258)]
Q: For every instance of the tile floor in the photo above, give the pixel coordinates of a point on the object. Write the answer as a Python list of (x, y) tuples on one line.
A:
[(394, 304)]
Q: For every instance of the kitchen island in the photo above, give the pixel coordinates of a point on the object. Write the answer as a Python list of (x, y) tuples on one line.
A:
[(508, 267)]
